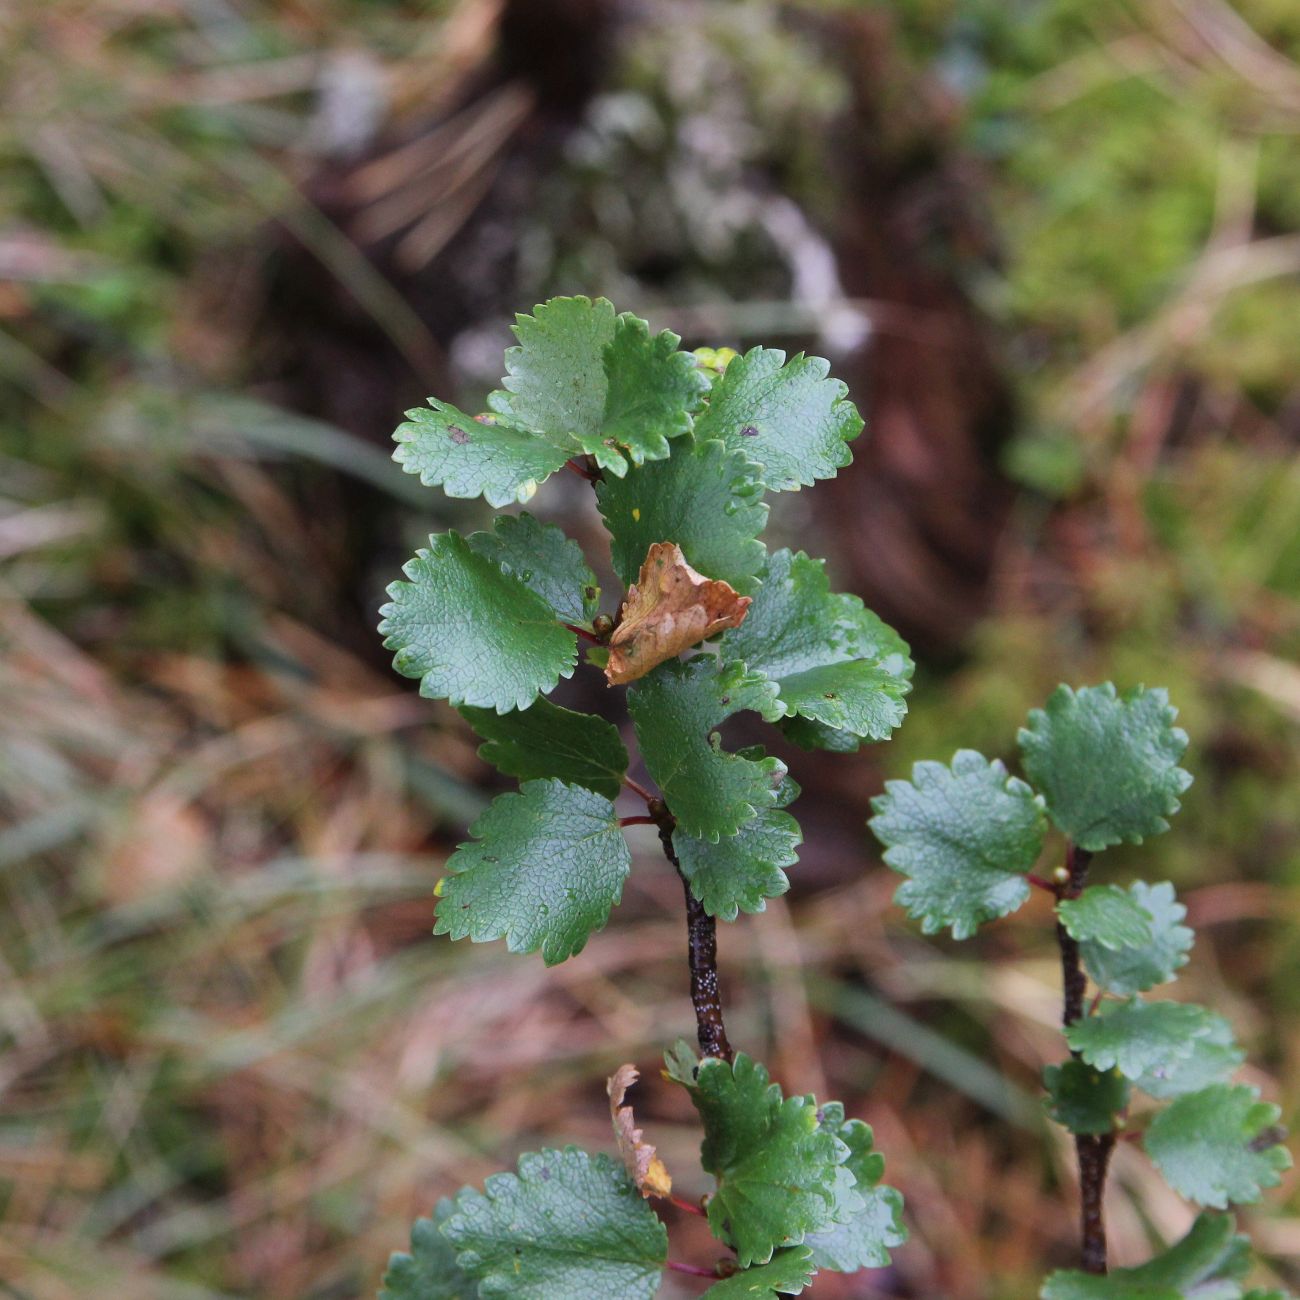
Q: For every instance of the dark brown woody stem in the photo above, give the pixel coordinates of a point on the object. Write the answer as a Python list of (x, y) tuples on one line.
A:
[(702, 950), (1094, 1150)]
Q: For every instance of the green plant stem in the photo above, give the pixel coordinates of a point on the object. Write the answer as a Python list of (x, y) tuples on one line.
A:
[(1093, 1150), (701, 949)]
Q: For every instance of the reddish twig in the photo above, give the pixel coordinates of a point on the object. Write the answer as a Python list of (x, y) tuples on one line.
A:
[(583, 471), (1039, 882), (689, 1206), (637, 788), (694, 1270), (637, 821), (584, 634)]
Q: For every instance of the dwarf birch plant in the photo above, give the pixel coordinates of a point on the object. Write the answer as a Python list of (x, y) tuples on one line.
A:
[(1103, 770), (681, 450)]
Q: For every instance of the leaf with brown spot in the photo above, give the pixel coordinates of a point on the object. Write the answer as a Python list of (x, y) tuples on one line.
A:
[(668, 609), (644, 1167)]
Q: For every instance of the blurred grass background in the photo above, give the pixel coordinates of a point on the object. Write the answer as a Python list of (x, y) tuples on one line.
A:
[(1052, 245)]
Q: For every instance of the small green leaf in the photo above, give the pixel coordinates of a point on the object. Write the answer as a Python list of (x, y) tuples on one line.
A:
[(555, 381), (1106, 763), (544, 869), (1219, 1146), (580, 381), (1136, 1036), (652, 390), (1136, 968), (834, 662), (470, 457), (865, 1239), (675, 710), (471, 633), (1213, 1058), (1107, 916), (587, 381), (430, 1271), (1083, 1099), (568, 1224), (965, 836), (545, 561), (741, 871), (545, 740), (787, 1274), (788, 416), (704, 497), (780, 1176), (1210, 1252)]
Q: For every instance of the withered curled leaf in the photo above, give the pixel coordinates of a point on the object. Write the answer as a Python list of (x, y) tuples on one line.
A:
[(644, 1167), (669, 608)]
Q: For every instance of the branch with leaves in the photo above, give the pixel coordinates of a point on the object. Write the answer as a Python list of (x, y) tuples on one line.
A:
[(1103, 769), (681, 449)]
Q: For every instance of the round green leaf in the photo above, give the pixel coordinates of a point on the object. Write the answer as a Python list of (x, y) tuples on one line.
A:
[(543, 870), (568, 1224), (1135, 1036), (675, 709), (1083, 1099), (1212, 1058), (545, 561), (704, 497), (1107, 916), (741, 871), (472, 633), (964, 836), (834, 662), (1106, 764), (1134, 968), (780, 1175), (472, 456), (788, 416), (1219, 1146), (545, 740), (865, 1238), (555, 378)]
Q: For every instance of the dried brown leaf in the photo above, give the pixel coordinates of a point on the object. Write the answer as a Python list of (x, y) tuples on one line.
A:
[(644, 1167), (668, 609)]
